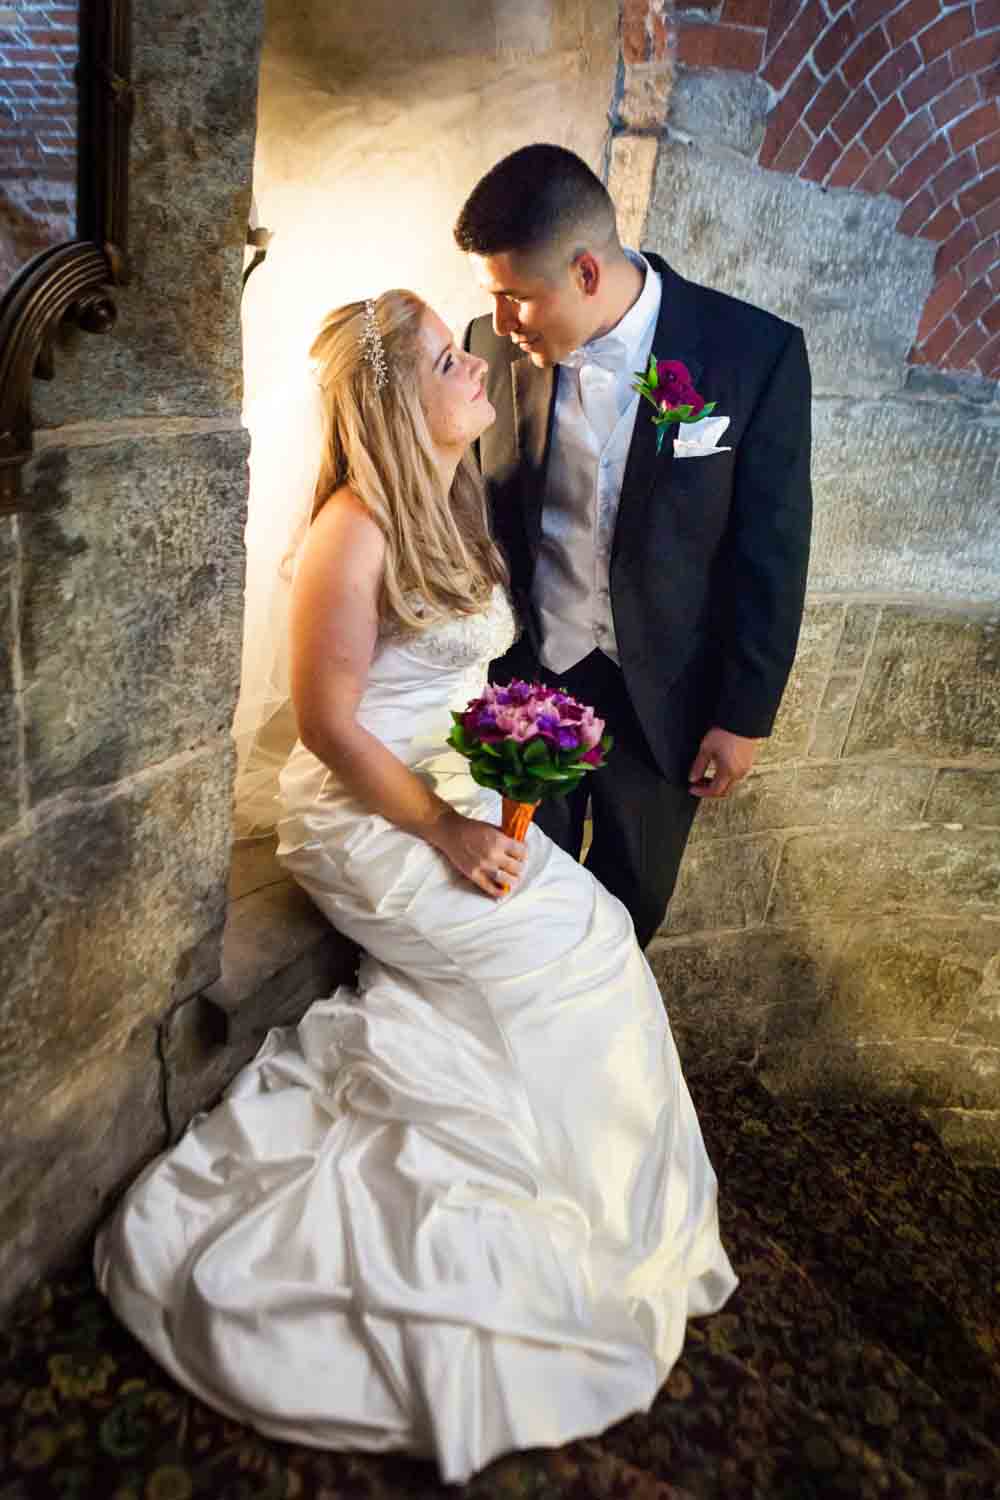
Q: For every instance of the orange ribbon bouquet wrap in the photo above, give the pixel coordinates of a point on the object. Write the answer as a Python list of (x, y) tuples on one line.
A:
[(528, 741)]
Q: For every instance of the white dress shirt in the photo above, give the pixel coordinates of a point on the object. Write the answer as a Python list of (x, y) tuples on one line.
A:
[(592, 431)]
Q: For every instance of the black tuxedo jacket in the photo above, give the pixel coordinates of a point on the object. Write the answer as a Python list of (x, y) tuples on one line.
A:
[(709, 558)]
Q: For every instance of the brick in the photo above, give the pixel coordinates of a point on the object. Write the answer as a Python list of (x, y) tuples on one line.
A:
[(911, 138), (866, 56), (858, 109), (987, 14), (836, 41), (920, 170), (911, 19), (961, 97), (821, 158), (635, 39), (974, 126), (988, 222), (869, 13), (780, 16), (985, 192), (850, 167), (884, 125), (944, 35), (941, 340), (988, 153), (977, 56), (894, 72), (788, 111), (928, 84), (879, 175), (974, 303), (990, 319), (795, 150), (828, 101), (959, 171), (983, 258), (702, 46), (965, 350), (989, 359), (916, 214), (942, 225), (794, 45), (944, 297), (956, 248), (747, 12)]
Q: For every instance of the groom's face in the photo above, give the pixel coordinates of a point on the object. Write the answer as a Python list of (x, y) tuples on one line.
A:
[(542, 309)]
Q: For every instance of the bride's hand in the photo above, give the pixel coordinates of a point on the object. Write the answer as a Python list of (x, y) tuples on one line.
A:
[(482, 853)]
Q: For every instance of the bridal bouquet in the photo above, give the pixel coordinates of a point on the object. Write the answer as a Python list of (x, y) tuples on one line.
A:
[(527, 742)]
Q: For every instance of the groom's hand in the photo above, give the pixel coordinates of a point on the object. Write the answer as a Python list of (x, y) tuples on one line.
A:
[(722, 760)]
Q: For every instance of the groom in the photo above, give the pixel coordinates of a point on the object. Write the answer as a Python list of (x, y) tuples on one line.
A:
[(664, 588)]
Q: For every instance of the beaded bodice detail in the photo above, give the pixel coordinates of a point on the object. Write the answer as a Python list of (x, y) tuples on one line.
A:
[(464, 641)]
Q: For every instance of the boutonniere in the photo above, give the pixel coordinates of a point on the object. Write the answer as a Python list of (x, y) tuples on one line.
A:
[(667, 385)]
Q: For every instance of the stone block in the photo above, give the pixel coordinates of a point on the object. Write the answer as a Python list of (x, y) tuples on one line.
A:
[(790, 738), (176, 344), (970, 1136), (723, 885), (921, 1074), (965, 796), (69, 1149), (111, 908), (902, 979), (721, 109), (828, 876), (783, 244), (132, 605), (10, 708), (932, 684), (905, 498), (833, 717), (815, 796)]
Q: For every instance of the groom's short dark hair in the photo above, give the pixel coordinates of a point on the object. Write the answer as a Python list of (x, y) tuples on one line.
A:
[(533, 199)]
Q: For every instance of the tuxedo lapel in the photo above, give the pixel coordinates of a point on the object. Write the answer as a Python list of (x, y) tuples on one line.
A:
[(676, 337), (534, 391)]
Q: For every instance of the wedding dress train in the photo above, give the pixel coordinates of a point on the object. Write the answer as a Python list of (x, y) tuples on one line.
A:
[(466, 1207)]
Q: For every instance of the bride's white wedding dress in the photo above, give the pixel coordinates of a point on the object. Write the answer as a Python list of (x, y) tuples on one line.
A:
[(465, 1208)]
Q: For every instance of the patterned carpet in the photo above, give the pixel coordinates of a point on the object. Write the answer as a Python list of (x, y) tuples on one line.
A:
[(860, 1357)]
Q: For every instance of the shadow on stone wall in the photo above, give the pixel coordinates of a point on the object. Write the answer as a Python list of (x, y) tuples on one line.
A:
[(836, 924)]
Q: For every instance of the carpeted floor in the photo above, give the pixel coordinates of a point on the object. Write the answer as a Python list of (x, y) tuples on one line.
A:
[(860, 1357)]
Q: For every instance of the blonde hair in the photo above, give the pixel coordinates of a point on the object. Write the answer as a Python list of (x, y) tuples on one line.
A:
[(440, 558)]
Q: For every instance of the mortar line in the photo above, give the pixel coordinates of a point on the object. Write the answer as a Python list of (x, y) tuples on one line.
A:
[(862, 674), (17, 670)]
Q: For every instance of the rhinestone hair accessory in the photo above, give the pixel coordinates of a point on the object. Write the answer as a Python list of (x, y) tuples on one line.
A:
[(372, 348)]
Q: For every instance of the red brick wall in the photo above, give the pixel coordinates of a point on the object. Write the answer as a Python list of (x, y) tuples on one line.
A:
[(38, 51), (878, 96)]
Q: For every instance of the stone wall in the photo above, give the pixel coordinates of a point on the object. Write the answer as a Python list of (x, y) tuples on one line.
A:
[(120, 616), (837, 921)]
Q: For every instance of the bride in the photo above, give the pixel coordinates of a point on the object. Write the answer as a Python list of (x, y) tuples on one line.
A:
[(466, 1207)]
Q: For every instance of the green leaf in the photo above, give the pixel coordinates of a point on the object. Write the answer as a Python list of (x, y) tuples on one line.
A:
[(652, 374), (489, 749), (535, 753), (607, 742), (487, 778)]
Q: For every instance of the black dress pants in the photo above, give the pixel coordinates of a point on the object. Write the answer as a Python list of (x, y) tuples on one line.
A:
[(640, 820)]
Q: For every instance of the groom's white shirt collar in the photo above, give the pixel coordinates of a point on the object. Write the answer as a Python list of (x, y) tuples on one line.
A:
[(625, 348)]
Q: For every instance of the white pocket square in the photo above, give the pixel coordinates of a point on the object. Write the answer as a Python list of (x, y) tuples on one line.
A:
[(699, 439)]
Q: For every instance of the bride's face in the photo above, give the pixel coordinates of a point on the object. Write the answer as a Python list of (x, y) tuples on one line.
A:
[(452, 390)]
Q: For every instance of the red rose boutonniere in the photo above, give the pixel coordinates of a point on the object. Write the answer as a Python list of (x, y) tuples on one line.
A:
[(668, 386)]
